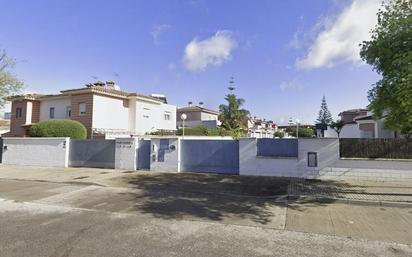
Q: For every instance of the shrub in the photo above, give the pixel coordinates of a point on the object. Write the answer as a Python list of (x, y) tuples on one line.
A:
[(59, 128), (279, 134), (303, 132)]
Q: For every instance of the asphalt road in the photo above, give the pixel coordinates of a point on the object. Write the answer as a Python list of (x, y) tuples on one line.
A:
[(65, 219)]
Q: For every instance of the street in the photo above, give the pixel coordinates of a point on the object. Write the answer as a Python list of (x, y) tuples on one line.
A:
[(133, 214)]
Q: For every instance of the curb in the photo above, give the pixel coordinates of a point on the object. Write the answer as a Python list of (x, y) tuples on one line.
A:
[(324, 199), (80, 183)]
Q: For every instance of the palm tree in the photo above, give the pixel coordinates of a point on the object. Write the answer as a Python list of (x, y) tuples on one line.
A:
[(232, 117)]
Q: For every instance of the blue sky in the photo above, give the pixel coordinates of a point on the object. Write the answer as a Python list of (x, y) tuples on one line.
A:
[(284, 55)]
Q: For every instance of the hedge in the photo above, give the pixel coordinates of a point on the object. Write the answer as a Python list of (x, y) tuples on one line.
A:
[(387, 148), (59, 128)]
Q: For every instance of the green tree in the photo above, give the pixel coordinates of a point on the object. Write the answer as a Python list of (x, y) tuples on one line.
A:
[(279, 134), (390, 53), (337, 126), (9, 84), (232, 116), (324, 116), (302, 132)]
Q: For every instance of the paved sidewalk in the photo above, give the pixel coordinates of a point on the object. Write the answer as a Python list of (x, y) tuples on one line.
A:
[(91, 176), (257, 202), (353, 190)]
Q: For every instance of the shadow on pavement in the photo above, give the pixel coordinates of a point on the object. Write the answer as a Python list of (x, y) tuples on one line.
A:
[(212, 196)]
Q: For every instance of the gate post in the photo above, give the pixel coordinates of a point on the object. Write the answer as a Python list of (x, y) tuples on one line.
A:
[(125, 153)]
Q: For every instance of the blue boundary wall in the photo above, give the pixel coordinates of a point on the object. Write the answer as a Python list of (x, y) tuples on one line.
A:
[(214, 156), (93, 153), (269, 147)]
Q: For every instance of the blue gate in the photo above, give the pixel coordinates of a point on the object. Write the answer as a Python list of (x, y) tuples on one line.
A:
[(94, 153), (214, 156), (143, 154), (1, 150)]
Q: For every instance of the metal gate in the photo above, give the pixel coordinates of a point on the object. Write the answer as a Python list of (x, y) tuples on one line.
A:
[(143, 154), (94, 153), (1, 150), (214, 156)]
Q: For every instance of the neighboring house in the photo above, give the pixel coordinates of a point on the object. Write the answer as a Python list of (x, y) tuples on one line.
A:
[(104, 109), (4, 126), (349, 116), (197, 115), (359, 123), (261, 128), (371, 128)]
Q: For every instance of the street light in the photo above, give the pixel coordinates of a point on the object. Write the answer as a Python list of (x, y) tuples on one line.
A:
[(297, 128), (183, 117)]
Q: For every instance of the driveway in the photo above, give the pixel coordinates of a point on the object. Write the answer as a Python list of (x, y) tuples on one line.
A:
[(94, 212)]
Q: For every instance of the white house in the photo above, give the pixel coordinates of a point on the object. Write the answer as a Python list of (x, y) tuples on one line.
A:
[(359, 123), (104, 109), (197, 115)]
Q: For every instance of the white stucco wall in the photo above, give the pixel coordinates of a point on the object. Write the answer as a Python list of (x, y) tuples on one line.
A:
[(348, 131), (29, 112), (150, 117), (381, 170), (171, 162), (51, 152), (110, 113), (327, 150), (382, 132), (125, 155), (132, 115), (251, 164), (207, 116), (59, 105)]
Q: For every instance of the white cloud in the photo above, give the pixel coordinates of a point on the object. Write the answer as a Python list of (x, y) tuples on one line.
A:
[(171, 66), (288, 85), (213, 51), (157, 31), (339, 40)]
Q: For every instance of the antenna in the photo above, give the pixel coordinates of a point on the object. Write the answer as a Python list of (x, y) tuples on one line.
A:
[(231, 84)]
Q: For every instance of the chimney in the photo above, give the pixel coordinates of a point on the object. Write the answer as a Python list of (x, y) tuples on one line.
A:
[(99, 83), (201, 104), (110, 84), (190, 104)]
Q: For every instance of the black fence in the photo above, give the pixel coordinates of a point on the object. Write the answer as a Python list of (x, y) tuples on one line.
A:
[(388, 148)]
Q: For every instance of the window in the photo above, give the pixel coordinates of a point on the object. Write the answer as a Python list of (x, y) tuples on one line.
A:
[(167, 115), (51, 113), (146, 112), (82, 108), (68, 111), (19, 112)]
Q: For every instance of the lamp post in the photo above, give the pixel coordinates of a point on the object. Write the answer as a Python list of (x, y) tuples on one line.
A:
[(297, 128), (183, 117)]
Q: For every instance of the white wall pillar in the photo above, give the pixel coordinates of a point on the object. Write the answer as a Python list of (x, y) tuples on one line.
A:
[(126, 153), (29, 112)]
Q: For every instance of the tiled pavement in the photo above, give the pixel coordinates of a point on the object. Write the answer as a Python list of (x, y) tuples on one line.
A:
[(353, 190)]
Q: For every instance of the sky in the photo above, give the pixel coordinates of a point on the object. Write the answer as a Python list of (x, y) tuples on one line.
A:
[(284, 55)]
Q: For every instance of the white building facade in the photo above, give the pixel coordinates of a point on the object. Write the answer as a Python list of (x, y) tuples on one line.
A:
[(103, 109)]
